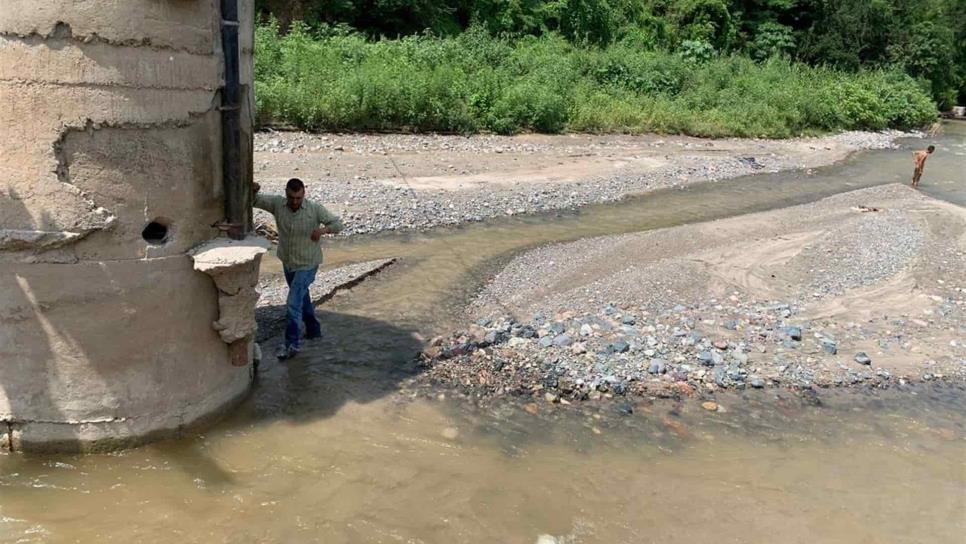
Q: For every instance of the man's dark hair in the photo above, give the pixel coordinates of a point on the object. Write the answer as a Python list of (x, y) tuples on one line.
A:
[(931, 148), (295, 185)]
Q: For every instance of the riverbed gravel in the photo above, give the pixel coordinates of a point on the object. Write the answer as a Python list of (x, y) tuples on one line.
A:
[(418, 182), (822, 295)]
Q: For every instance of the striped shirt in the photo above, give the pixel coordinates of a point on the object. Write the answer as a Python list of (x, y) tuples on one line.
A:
[(296, 249)]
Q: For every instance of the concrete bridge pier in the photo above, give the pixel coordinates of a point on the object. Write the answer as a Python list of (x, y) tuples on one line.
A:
[(110, 174)]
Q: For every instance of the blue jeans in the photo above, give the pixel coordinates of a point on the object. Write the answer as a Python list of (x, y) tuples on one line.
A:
[(299, 306)]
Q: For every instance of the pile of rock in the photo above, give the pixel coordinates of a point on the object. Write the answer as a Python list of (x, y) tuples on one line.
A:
[(619, 351)]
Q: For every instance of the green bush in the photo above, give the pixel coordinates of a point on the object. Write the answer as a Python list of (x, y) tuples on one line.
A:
[(926, 39), (333, 79)]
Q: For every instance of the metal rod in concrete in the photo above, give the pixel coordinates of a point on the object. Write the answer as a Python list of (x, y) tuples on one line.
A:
[(237, 193)]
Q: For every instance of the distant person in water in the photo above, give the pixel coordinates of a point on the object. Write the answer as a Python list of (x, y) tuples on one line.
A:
[(301, 224), (921, 157)]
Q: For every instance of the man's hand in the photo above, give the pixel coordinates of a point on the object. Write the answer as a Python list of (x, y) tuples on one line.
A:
[(317, 233)]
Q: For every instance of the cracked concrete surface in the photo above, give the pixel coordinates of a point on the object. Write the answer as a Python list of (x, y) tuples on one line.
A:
[(110, 122)]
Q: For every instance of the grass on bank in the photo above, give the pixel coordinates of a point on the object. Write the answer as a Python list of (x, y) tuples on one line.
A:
[(340, 81)]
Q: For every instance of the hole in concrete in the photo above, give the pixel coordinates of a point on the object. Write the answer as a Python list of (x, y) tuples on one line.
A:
[(156, 232), (62, 31)]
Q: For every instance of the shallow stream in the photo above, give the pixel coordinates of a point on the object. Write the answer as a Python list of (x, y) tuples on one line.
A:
[(326, 450)]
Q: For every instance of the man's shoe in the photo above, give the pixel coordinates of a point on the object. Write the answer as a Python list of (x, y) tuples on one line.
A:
[(313, 336), (287, 353)]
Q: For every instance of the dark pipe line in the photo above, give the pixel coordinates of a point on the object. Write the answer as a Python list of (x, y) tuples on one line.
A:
[(236, 193)]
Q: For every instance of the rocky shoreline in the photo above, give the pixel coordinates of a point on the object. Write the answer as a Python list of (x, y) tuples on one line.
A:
[(412, 182), (603, 355), (870, 297)]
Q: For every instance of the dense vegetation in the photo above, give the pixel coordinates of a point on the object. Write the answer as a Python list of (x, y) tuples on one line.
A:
[(705, 67)]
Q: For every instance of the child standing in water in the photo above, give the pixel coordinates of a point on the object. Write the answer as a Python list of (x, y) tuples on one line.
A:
[(920, 157)]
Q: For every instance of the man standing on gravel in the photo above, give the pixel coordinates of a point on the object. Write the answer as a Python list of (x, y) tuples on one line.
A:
[(301, 223), (921, 157)]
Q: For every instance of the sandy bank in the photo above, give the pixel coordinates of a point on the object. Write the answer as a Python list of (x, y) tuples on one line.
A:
[(863, 288)]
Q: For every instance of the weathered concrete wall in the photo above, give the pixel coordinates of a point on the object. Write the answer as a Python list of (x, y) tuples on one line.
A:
[(110, 122)]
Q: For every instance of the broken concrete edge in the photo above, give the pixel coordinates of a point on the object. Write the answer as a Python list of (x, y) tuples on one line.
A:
[(233, 265), (274, 325), (62, 31), (350, 283), (108, 437), (321, 293), (22, 240), (222, 254)]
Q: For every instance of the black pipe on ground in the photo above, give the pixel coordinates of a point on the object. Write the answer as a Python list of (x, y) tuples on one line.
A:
[(237, 194)]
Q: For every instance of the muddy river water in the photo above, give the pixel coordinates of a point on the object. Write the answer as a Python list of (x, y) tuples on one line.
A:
[(326, 449)]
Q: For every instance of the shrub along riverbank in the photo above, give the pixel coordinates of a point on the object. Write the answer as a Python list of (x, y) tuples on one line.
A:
[(342, 81)]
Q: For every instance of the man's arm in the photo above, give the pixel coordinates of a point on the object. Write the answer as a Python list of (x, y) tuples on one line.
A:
[(264, 202), (331, 222)]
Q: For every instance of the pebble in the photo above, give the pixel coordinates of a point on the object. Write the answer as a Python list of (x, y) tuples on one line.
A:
[(862, 358), (450, 433), (657, 366), (562, 340), (619, 347), (710, 406), (517, 342)]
